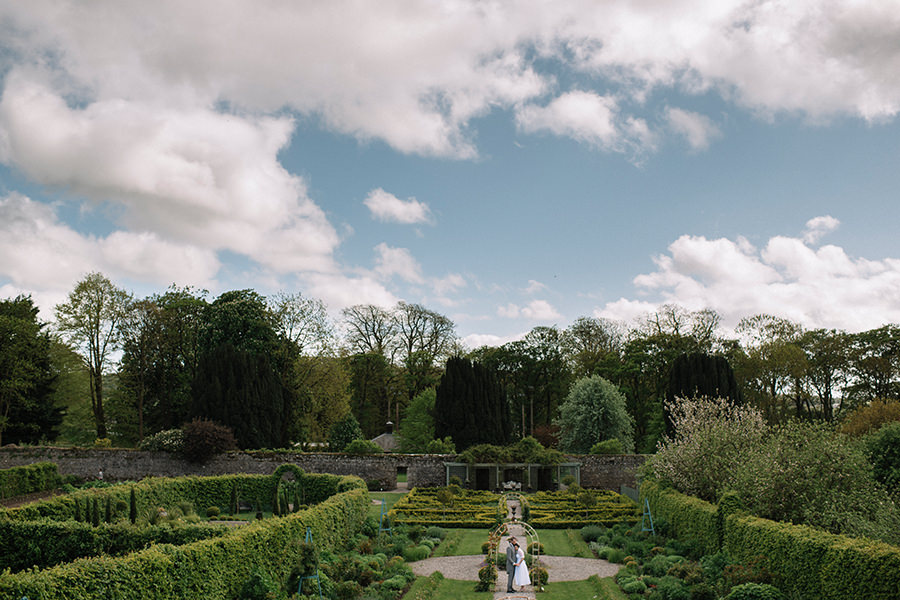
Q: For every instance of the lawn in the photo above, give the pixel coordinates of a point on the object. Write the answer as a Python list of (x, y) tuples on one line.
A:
[(451, 589), (390, 498), (564, 542), (462, 542)]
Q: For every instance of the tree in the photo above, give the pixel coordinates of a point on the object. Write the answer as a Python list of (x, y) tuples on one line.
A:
[(243, 375), (470, 405), (323, 395), (343, 432), (424, 337), (370, 330), (701, 375), (417, 427), (90, 320), (27, 410), (827, 361), (594, 411), (304, 321), (593, 346)]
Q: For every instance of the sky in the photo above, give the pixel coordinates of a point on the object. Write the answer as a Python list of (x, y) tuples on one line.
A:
[(506, 164)]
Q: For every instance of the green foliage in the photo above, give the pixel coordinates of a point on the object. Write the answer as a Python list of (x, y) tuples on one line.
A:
[(418, 423), (363, 447), (883, 450), (27, 410), (444, 446), (594, 411), (36, 477), (470, 405), (590, 533), (203, 439), (527, 450), (422, 506), (343, 432), (613, 446), (258, 587), (563, 510), (755, 591), (214, 569), (487, 575)]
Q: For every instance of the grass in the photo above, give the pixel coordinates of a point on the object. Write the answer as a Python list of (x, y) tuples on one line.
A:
[(401, 477), (592, 588), (462, 542), (390, 498), (564, 542)]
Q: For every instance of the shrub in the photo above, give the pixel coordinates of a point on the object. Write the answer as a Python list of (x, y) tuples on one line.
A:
[(871, 417), (614, 555), (212, 511), (540, 577), (613, 446), (343, 432), (362, 446), (672, 588), (883, 449), (170, 440), (755, 591), (36, 477), (591, 533), (487, 575), (203, 439), (258, 587), (374, 485), (535, 548), (634, 586), (436, 532), (444, 446)]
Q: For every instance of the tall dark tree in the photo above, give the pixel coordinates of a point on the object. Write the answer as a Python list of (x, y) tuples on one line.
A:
[(27, 410), (243, 372), (470, 405), (703, 375)]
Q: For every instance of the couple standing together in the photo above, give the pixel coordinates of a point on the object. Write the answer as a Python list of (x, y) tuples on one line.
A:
[(516, 570)]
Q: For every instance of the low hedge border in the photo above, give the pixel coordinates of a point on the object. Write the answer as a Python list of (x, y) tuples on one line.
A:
[(807, 563), (37, 477), (212, 569)]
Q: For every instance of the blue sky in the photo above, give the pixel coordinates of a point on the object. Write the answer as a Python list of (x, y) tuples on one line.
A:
[(506, 164)]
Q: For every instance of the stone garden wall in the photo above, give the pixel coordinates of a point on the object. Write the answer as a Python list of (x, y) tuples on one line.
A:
[(608, 472)]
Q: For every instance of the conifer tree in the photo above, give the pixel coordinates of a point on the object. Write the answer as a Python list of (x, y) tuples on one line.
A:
[(108, 516), (132, 507), (77, 510)]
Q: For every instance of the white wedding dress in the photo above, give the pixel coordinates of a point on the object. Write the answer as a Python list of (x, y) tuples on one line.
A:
[(521, 576)]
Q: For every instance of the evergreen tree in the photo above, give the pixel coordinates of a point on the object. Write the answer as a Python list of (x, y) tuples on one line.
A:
[(95, 513), (108, 515), (77, 510), (700, 375), (276, 502), (233, 503), (470, 405), (132, 507)]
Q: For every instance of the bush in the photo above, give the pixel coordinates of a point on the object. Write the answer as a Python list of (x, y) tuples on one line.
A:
[(258, 587), (613, 446), (343, 432), (871, 417), (361, 446), (36, 477), (591, 533), (436, 532), (487, 575), (755, 591), (883, 449), (444, 446), (212, 511), (203, 439), (170, 440)]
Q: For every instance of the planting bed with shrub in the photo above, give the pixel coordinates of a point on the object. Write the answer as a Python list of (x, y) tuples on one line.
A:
[(447, 507), (19, 481), (577, 507)]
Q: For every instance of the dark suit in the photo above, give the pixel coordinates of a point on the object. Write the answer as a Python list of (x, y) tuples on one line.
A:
[(510, 566)]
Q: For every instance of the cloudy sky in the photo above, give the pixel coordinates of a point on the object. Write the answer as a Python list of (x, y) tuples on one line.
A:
[(508, 164)]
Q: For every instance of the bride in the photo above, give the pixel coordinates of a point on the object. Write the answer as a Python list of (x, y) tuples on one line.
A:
[(521, 575)]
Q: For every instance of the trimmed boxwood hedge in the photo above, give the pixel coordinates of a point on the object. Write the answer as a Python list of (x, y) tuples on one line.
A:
[(807, 563), (37, 477), (211, 569)]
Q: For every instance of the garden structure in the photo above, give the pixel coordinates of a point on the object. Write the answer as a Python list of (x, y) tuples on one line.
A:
[(503, 476)]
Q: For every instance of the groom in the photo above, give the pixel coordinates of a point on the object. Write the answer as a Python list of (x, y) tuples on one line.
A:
[(510, 564)]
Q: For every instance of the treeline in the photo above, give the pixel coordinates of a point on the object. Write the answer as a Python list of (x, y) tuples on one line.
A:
[(279, 370)]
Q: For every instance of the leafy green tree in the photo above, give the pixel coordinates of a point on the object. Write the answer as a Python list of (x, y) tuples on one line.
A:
[(594, 411), (27, 410), (323, 395), (424, 338), (874, 365), (90, 320), (883, 449), (827, 368), (470, 405), (375, 388), (593, 346), (71, 392), (343, 432), (417, 427)]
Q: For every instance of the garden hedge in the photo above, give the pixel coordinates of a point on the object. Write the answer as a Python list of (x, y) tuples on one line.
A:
[(211, 569), (37, 477), (807, 563)]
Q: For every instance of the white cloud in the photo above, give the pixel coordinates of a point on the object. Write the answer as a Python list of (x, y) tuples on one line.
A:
[(338, 291), (477, 340), (38, 251), (194, 176), (416, 75), (818, 227), (387, 207), (821, 287), (696, 129), (397, 261), (589, 118), (449, 284), (536, 310), (534, 287)]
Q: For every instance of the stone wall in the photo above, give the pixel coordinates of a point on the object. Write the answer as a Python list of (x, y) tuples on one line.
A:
[(608, 472)]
